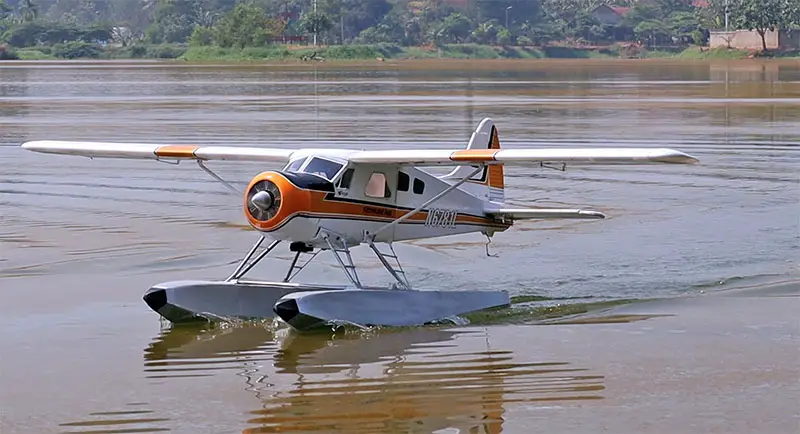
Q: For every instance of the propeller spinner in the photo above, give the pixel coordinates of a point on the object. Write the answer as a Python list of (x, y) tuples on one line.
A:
[(264, 200)]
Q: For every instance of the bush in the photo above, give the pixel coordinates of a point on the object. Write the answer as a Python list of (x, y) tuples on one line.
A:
[(138, 52), (524, 41), (166, 51), (201, 36), (7, 53), (75, 50)]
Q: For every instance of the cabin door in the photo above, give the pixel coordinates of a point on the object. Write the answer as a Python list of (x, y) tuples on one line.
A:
[(374, 188)]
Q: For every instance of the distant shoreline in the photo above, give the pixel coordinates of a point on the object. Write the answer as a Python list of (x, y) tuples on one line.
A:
[(385, 52)]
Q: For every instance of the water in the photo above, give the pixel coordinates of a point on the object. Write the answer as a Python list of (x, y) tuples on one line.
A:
[(81, 240)]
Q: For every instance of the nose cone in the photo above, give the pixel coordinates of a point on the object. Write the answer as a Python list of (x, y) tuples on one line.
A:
[(287, 310), (262, 200), (156, 298)]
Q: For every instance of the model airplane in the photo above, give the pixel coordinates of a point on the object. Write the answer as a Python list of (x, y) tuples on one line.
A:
[(336, 199)]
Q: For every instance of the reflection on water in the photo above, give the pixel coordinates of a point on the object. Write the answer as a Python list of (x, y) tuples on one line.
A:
[(80, 240), (118, 422), (411, 380)]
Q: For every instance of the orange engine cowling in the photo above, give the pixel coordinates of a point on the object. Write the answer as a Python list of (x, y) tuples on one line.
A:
[(271, 201)]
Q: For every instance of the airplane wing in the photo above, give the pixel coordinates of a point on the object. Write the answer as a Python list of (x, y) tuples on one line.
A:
[(544, 213), (429, 157), (155, 151), (435, 157)]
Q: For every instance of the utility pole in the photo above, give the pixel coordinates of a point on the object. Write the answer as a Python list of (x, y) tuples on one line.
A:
[(727, 35), (726, 15), (316, 23)]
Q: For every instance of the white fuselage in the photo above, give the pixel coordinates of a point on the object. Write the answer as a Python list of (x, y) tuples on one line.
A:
[(353, 200)]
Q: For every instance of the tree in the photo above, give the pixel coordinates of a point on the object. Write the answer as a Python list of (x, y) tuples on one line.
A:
[(28, 10), (683, 25), (316, 23), (455, 27), (519, 10), (245, 26), (652, 31), (4, 10), (762, 15), (793, 14), (174, 21)]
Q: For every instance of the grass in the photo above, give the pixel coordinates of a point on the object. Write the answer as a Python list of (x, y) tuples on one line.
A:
[(284, 53), (714, 53), (30, 54), (391, 51), (387, 51)]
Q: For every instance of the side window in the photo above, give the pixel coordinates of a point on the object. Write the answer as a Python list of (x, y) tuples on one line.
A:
[(402, 181), (377, 186), (346, 179), (419, 186), (294, 166)]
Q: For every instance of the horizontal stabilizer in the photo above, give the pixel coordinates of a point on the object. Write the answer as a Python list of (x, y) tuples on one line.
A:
[(544, 213)]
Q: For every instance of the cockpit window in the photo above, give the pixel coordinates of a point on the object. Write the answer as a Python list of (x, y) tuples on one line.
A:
[(324, 168), (294, 166)]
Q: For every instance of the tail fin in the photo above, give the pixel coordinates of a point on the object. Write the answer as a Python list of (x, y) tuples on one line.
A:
[(488, 184)]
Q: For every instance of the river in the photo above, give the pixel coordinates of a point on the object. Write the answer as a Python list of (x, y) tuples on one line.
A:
[(82, 239)]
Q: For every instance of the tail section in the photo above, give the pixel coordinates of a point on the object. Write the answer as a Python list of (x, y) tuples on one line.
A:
[(489, 183)]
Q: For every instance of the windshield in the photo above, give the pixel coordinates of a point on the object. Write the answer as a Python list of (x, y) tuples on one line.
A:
[(324, 168), (294, 166)]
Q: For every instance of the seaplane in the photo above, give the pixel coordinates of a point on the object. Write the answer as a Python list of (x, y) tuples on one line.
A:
[(333, 200)]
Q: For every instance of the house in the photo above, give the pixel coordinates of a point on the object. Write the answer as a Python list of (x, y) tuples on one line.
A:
[(609, 15), (751, 40)]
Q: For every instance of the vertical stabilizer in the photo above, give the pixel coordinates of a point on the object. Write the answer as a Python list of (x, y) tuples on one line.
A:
[(488, 184)]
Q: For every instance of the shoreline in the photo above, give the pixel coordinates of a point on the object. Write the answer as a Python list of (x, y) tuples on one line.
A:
[(285, 54), (421, 64)]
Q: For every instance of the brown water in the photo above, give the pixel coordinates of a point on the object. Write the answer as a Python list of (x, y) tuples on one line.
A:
[(81, 240)]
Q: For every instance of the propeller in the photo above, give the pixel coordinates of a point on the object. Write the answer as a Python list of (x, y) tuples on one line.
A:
[(264, 200)]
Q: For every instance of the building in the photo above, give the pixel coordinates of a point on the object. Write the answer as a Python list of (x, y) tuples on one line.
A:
[(609, 15), (751, 40)]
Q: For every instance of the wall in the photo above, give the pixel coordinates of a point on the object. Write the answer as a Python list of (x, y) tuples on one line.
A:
[(790, 39), (750, 40)]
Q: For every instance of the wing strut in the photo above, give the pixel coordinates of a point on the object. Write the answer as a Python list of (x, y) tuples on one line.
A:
[(371, 236), (218, 178)]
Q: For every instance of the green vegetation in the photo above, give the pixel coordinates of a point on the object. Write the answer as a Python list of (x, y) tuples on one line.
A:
[(198, 30), (763, 15)]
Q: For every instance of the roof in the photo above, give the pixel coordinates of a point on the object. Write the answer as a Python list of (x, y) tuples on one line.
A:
[(620, 10)]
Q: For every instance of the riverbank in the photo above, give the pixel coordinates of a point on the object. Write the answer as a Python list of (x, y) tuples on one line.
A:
[(376, 51)]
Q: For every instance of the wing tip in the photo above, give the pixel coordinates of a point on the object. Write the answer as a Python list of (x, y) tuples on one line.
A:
[(592, 214), (668, 155), (35, 146)]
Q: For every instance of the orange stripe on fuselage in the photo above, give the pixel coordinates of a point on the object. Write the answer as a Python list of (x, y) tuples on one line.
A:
[(176, 151), (296, 201), (378, 212), (474, 155)]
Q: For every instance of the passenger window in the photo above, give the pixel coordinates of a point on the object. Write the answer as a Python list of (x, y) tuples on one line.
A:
[(402, 181), (419, 186), (377, 186), (346, 179)]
